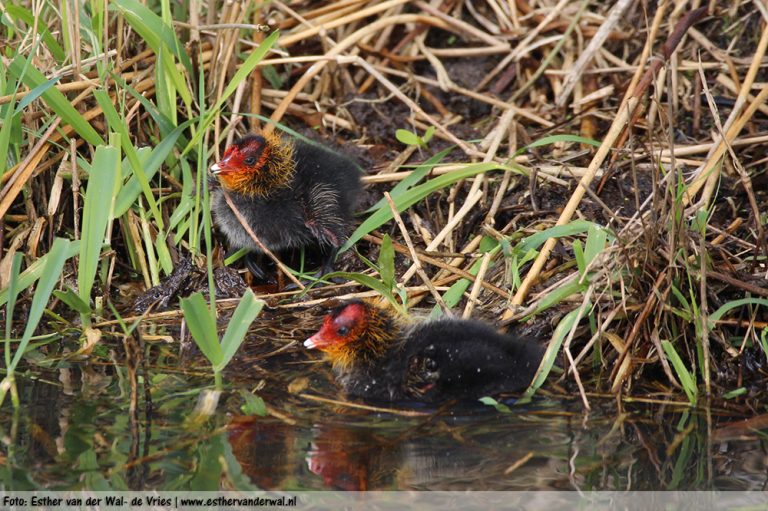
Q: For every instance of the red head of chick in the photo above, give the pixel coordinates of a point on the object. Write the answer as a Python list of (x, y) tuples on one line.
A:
[(376, 356), (292, 194)]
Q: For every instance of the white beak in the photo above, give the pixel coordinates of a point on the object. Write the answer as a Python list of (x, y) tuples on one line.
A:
[(215, 168), (309, 343)]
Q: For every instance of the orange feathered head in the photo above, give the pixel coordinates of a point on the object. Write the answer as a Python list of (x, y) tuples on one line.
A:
[(256, 165), (355, 331)]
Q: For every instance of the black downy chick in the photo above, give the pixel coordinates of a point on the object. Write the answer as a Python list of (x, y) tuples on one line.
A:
[(376, 357), (291, 193)]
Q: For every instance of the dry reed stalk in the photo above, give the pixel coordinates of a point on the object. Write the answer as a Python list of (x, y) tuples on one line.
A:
[(414, 256), (18, 178), (321, 11), (377, 409), (451, 267), (654, 297), (515, 54), (257, 79), (588, 54), (343, 45), (292, 39), (227, 40), (613, 133), (477, 286), (624, 118)]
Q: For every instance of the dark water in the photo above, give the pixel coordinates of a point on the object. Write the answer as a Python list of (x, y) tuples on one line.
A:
[(76, 431)]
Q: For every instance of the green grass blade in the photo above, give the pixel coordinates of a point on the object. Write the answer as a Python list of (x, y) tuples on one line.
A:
[(34, 94), (550, 355), (247, 310), (719, 313), (685, 377), (412, 179), (553, 139), (51, 271), (13, 293), (244, 72), (117, 125), (407, 137), (105, 170), (35, 270), (387, 261), (558, 295), (150, 165), (153, 30), (74, 302), (5, 132), (369, 282), (202, 326), (534, 241), (457, 290), (416, 194), (27, 17), (56, 100), (597, 238)]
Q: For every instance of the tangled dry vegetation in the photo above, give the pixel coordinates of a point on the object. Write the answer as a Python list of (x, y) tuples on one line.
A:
[(596, 173)]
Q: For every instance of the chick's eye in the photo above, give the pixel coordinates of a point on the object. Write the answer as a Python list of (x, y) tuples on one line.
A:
[(250, 160), (342, 330)]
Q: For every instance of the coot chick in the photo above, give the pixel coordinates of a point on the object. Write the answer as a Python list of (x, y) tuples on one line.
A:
[(291, 193), (376, 357)]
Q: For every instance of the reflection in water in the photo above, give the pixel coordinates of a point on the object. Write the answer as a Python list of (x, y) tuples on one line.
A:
[(72, 441), (533, 449)]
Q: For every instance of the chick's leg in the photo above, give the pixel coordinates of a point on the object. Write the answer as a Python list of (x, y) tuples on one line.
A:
[(254, 261)]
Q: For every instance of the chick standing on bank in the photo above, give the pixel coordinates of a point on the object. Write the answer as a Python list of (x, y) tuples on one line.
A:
[(375, 356), (292, 194)]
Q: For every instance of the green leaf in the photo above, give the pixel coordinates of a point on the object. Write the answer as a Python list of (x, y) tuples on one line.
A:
[(368, 282), (417, 193), (244, 72), (719, 313), (202, 326), (457, 290), (13, 293), (558, 295), (35, 270), (153, 30), (501, 407), (246, 311), (534, 241), (254, 405), (735, 393), (117, 125), (550, 355), (73, 301), (150, 165), (407, 137), (387, 261), (596, 242), (35, 93), (54, 264), (578, 254), (8, 122), (411, 179), (99, 196), (428, 134), (236, 256), (553, 139), (59, 103), (687, 380)]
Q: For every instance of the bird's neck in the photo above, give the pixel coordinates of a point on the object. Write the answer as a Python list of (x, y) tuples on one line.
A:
[(274, 173)]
